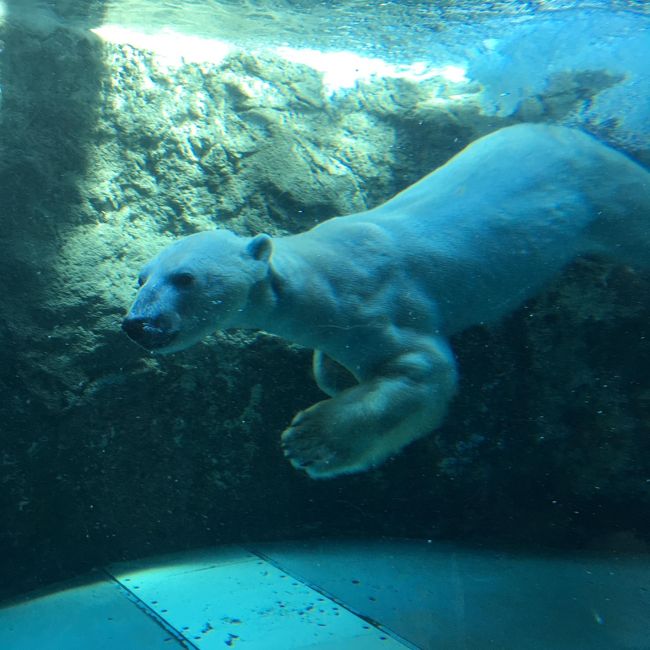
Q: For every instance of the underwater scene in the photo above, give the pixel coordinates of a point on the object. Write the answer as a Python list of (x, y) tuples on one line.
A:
[(325, 324)]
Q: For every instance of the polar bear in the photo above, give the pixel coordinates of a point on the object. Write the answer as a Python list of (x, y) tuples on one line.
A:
[(377, 294)]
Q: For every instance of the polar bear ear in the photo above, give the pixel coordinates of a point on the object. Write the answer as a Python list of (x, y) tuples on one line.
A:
[(260, 247)]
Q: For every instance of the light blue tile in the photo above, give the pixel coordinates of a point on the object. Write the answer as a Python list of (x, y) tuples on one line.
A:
[(446, 596), (96, 615), (225, 599)]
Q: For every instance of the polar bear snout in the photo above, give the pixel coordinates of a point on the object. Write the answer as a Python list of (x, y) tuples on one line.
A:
[(150, 333)]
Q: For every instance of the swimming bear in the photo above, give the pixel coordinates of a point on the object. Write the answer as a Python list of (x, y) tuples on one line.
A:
[(377, 294)]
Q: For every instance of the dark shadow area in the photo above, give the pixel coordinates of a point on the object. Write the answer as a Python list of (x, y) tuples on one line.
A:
[(51, 73)]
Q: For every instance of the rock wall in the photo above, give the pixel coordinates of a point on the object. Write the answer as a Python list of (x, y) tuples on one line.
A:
[(108, 453)]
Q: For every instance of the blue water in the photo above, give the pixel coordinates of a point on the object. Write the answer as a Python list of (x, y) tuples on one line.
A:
[(515, 50), (64, 504)]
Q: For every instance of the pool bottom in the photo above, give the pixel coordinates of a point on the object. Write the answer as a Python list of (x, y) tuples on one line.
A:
[(323, 594)]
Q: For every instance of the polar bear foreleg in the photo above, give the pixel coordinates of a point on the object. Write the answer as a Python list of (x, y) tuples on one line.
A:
[(331, 377), (363, 425)]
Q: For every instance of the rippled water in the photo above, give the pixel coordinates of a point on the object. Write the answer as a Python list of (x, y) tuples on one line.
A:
[(408, 30)]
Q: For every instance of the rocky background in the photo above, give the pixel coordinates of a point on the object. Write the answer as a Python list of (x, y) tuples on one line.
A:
[(108, 453)]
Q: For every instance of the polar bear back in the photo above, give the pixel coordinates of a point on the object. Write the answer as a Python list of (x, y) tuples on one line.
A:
[(492, 226)]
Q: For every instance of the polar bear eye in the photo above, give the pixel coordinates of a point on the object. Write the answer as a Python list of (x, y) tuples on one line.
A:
[(182, 280), (141, 280)]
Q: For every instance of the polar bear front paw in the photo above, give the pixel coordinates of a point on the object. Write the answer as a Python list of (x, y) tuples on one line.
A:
[(315, 444)]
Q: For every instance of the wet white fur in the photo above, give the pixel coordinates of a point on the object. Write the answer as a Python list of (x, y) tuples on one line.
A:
[(378, 293)]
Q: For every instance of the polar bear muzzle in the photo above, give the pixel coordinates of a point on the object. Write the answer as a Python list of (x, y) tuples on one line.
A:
[(151, 333)]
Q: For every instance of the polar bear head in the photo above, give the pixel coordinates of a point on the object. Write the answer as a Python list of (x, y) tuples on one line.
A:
[(195, 286)]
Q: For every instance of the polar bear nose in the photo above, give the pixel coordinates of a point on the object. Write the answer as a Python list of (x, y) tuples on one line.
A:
[(148, 333), (134, 327)]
